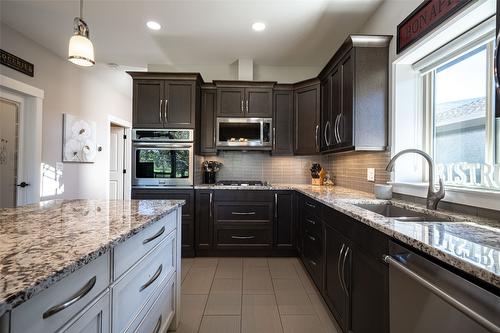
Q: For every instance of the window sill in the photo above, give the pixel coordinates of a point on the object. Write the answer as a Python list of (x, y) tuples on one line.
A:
[(459, 195)]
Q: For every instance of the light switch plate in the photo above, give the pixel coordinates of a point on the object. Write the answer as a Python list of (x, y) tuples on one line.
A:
[(370, 174)]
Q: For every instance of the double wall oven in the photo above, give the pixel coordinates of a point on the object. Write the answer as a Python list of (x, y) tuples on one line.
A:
[(162, 157)]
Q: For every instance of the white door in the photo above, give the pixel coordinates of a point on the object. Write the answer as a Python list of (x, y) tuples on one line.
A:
[(116, 158), (9, 151)]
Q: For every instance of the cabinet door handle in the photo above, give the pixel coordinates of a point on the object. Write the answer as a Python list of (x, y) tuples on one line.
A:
[(346, 253), (153, 278), (242, 237), (274, 138), (311, 221), (152, 238), (338, 128), (313, 263), (276, 205), (243, 213), (165, 118), (317, 137), (242, 106), (210, 204), (495, 64), (247, 105), (72, 300), (325, 133), (338, 266), (158, 325), (161, 104), (311, 205), (311, 238)]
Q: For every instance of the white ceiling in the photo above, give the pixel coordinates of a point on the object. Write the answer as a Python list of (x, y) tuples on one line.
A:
[(208, 32)]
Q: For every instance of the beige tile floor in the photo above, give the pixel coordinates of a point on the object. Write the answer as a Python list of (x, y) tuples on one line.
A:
[(251, 295)]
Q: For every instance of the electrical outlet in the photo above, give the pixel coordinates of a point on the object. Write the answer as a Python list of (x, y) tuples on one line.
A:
[(370, 174)]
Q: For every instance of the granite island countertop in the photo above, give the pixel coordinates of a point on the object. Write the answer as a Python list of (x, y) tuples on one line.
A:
[(42, 243), (468, 243)]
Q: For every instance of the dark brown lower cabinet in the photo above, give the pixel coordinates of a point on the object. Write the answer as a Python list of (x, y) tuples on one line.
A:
[(284, 224), (187, 211), (204, 220)]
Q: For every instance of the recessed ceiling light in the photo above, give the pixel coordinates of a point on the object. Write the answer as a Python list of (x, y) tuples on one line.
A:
[(259, 26), (153, 25)]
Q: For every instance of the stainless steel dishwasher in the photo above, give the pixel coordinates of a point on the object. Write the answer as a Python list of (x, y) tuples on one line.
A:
[(425, 297)]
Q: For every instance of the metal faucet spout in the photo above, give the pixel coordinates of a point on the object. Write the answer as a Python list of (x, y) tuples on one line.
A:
[(433, 197)]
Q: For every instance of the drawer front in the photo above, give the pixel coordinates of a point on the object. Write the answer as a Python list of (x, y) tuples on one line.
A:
[(94, 320), (243, 196), (311, 206), (312, 225), (129, 252), (136, 287), (228, 212), (76, 291), (161, 312), (245, 236)]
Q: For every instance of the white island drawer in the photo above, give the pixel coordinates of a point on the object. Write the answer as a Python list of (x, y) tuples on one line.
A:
[(53, 307), (129, 252), (135, 289)]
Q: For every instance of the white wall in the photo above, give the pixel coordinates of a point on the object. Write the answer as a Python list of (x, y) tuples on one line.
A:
[(91, 93), (282, 74)]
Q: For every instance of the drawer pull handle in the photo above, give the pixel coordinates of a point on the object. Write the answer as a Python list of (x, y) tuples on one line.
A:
[(310, 205), (313, 263), (312, 238), (238, 213), (157, 326), (153, 279), (155, 236), (242, 237), (311, 221), (72, 300)]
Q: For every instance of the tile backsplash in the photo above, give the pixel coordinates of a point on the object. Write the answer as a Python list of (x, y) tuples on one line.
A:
[(347, 169)]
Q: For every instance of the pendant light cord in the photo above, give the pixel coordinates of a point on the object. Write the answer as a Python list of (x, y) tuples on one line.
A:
[(81, 9)]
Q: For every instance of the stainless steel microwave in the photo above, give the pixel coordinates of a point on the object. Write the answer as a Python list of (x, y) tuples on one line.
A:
[(244, 133)]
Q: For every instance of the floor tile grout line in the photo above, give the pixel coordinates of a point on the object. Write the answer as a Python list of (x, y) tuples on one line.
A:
[(276, 299), (208, 296)]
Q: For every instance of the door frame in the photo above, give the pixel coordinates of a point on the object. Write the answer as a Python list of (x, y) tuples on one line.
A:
[(127, 150), (30, 100)]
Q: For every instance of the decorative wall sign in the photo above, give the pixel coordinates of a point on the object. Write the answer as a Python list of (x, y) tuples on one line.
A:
[(79, 140), (425, 18), (474, 175), (20, 65)]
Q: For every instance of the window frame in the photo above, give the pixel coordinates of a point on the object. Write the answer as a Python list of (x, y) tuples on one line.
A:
[(482, 34)]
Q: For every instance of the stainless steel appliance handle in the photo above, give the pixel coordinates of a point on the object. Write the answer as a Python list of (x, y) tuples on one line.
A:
[(495, 64), (153, 278), (211, 197), (276, 205), (165, 118), (242, 237), (161, 104), (162, 145), (316, 137), (245, 213), (441, 294), (346, 253), (72, 300), (155, 236), (158, 325), (324, 133), (338, 267)]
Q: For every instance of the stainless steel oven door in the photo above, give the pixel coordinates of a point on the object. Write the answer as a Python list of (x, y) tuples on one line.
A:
[(162, 164)]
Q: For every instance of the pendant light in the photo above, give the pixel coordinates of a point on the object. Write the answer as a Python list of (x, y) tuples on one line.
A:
[(81, 50)]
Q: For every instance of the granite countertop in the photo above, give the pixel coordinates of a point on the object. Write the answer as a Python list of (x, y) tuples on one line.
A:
[(42, 243), (469, 243)]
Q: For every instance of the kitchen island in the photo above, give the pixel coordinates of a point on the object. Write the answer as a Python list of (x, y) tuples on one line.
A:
[(67, 264)]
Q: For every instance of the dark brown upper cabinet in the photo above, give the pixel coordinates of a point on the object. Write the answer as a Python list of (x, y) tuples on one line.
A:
[(165, 100), (244, 99), (354, 95), (307, 117), (283, 120), (207, 128)]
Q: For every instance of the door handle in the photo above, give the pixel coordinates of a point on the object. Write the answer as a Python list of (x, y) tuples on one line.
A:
[(311, 238), (161, 104), (338, 127), (311, 221), (243, 213), (153, 278), (242, 106), (325, 135), (72, 300), (316, 137), (165, 118), (210, 204), (495, 64), (338, 266), (158, 325), (276, 205), (242, 237), (274, 138), (310, 205), (23, 184), (346, 253), (155, 236), (247, 105)]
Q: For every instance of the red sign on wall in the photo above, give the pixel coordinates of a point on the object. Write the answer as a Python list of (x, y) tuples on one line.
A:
[(426, 17)]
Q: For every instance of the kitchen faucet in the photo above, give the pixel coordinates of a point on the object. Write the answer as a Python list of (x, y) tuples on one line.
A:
[(433, 197)]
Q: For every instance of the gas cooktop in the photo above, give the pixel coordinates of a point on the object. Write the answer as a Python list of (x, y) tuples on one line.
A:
[(242, 183)]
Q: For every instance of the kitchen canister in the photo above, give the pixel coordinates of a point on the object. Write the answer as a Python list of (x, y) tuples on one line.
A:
[(383, 191)]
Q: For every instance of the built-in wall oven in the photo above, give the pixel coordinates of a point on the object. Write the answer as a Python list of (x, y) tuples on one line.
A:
[(244, 133), (162, 157)]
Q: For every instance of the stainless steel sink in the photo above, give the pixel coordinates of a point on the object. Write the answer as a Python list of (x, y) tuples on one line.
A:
[(401, 214)]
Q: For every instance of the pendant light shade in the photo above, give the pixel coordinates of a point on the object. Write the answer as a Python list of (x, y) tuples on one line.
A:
[(81, 50)]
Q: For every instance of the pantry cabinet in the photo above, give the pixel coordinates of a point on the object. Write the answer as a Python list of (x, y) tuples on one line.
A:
[(207, 128)]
